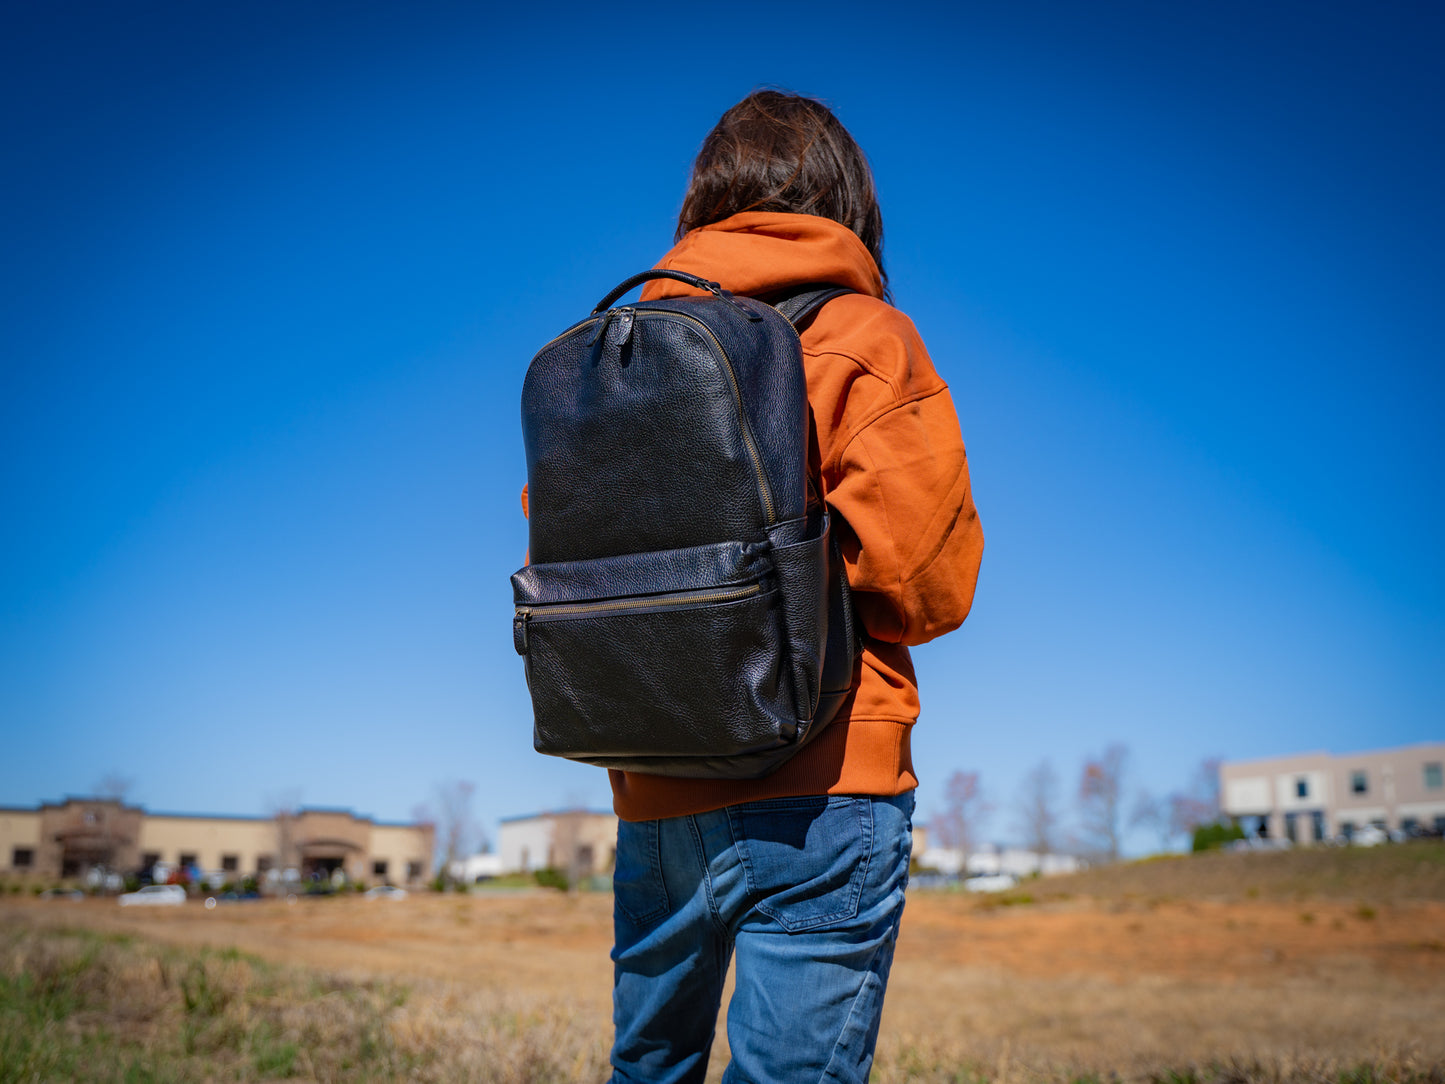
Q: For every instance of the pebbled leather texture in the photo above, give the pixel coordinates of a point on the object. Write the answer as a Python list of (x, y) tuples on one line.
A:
[(683, 613), (624, 439)]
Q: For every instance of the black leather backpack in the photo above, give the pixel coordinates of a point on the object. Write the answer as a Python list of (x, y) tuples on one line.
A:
[(685, 611)]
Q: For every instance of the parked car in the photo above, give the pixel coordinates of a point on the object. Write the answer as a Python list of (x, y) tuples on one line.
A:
[(385, 892), (1370, 835), (155, 896), (931, 879)]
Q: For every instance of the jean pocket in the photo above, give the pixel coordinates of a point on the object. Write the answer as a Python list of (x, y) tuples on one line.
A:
[(638, 891), (806, 859)]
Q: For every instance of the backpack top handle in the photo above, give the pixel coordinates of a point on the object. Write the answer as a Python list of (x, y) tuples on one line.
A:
[(694, 281)]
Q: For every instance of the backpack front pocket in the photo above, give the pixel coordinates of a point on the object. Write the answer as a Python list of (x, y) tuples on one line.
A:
[(620, 669)]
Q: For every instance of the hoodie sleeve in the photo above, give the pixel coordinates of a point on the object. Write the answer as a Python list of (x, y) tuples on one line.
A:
[(526, 514), (913, 541)]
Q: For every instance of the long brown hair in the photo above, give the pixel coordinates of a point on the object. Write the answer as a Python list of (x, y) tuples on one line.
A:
[(775, 151)]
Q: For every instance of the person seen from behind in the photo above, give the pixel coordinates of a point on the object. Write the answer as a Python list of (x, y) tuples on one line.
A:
[(798, 877)]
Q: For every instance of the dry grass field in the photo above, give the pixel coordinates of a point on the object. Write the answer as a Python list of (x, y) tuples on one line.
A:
[(1310, 966)]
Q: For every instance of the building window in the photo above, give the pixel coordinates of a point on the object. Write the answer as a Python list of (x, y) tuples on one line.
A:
[(22, 857), (1347, 830), (1301, 787), (1359, 783), (230, 863), (188, 860), (149, 860), (378, 868), (413, 871), (1291, 827), (263, 863), (1433, 778)]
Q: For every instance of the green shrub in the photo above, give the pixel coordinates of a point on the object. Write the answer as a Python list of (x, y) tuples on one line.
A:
[(551, 878), (1212, 837)]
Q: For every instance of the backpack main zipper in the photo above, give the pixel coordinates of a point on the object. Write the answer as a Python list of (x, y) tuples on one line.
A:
[(765, 493)]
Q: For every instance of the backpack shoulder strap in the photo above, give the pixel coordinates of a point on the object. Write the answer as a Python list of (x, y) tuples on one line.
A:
[(802, 304)]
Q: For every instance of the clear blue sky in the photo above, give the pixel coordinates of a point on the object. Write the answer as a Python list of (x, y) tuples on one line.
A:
[(272, 276)]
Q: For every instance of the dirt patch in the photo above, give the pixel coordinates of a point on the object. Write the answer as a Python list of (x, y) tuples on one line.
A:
[(540, 940), (1256, 989), (1260, 941)]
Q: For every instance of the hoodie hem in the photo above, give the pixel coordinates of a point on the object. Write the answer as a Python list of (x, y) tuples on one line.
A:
[(862, 756)]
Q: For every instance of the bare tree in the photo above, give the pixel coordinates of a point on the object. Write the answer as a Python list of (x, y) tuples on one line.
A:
[(1038, 809), (106, 827), (1198, 804), (1101, 801), (455, 825), (422, 816), (112, 787), (570, 855), (965, 811), (283, 807), (1152, 814)]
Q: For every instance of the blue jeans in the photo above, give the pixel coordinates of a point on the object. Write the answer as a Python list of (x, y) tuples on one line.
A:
[(808, 893)]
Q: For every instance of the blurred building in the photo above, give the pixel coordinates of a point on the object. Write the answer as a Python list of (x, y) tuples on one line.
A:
[(1318, 796), (582, 842), (61, 840), (990, 860), (476, 868)]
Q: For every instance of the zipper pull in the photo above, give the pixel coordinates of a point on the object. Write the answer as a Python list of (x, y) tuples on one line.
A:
[(623, 318), (601, 327), (519, 630), (624, 322)]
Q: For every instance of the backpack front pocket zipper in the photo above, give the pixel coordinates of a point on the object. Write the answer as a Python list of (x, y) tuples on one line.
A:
[(675, 600)]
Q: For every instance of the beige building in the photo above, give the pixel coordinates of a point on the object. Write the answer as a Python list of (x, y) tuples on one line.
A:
[(62, 840), (580, 841), (1317, 796)]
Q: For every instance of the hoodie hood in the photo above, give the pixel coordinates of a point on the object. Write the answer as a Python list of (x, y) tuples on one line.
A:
[(758, 252)]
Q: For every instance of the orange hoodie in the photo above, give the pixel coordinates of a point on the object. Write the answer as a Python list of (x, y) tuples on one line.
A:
[(893, 471)]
